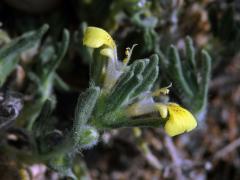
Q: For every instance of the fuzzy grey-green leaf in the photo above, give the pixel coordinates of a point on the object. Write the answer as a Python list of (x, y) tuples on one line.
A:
[(85, 105), (9, 54), (150, 75)]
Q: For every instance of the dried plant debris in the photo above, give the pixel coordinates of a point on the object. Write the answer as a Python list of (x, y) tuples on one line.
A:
[(11, 104)]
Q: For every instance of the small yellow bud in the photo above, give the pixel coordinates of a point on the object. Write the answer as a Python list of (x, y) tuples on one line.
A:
[(137, 132), (163, 110), (128, 53)]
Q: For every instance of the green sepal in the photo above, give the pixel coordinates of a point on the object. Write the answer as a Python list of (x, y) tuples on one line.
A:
[(96, 67), (88, 138), (85, 106)]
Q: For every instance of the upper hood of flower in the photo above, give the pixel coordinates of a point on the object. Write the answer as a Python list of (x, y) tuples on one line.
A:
[(96, 37)]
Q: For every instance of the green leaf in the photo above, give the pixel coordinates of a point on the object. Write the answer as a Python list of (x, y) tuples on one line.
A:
[(177, 72), (150, 75), (9, 54), (6, 67), (205, 75), (41, 125), (23, 42), (61, 51), (126, 86), (190, 52), (190, 80)]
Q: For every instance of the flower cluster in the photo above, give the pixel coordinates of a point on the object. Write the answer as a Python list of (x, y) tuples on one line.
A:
[(128, 88)]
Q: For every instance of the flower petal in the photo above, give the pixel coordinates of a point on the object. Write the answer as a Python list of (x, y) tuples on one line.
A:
[(142, 107), (108, 52), (180, 120), (96, 37)]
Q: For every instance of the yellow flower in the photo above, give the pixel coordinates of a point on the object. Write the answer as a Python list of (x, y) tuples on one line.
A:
[(179, 120), (96, 37)]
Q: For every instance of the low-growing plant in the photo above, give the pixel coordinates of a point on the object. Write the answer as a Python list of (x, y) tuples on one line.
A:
[(120, 95)]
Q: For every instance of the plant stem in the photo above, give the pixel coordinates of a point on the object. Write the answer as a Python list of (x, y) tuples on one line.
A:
[(143, 122)]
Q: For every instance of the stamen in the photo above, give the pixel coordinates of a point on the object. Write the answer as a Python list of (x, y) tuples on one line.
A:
[(162, 91), (128, 53)]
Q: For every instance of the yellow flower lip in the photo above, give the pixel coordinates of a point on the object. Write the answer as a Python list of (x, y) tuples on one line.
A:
[(179, 119), (95, 37)]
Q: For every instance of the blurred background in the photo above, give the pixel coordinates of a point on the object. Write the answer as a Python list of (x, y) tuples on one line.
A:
[(209, 152)]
